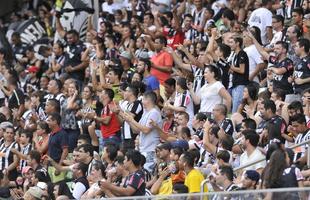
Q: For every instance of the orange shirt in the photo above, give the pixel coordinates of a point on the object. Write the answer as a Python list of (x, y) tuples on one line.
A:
[(163, 59)]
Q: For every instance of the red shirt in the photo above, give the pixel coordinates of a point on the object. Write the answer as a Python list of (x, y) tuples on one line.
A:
[(163, 59), (114, 126), (173, 38)]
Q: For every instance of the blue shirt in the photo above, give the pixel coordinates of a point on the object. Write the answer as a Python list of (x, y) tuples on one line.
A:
[(151, 83), (56, 143)]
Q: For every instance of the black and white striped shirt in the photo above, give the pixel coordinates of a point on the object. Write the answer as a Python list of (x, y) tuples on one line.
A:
[(7, 157), (24, 150), (137, 109), (199, 79), (59, 97)]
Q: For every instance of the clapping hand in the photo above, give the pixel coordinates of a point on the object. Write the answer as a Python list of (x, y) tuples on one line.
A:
[(128, 117), (207, 125), (153, 123), (69, 69), (181, 47)]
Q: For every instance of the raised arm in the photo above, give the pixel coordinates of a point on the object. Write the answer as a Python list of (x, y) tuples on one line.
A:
[(259, 47), (59, 28), (206, 141), (178, 60)]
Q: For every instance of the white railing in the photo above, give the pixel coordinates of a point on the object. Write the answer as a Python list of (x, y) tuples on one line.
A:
[(221, 195), (203, 183)]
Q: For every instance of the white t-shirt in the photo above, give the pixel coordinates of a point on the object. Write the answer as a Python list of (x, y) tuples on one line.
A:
[(209, 96), (254, 59), (111, 8), (277, 36), (256, 155), (78, 190), (148, 142), (262, 18)]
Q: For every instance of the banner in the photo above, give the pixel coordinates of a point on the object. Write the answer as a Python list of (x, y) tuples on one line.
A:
[(31, 31), (74, 15)]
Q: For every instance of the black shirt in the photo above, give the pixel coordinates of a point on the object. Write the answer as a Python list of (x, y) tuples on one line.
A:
[(279, 124), (73, 58), (136, 181), (224, 67), (227, 126), (281, 81), (16, 99), (241, 79), (302, 70)]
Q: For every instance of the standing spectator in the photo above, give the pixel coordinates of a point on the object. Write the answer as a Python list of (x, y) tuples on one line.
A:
[(161, 61), (73, 64), (183, 100), (109, 124), (283, 66), (135, 108), (54, 91), (148, 136), (302, 69), (256, 64), (240, 72), (111, 52), (9, 161), (69, 110), (293, 34), (58, 140), (150, 81), (40, 137), (212, 93), (262, 18), (15, 97)]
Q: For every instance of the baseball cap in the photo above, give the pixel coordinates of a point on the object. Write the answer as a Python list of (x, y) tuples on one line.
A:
[(32, 69), (126, 54), (252, 174), (183, 144)]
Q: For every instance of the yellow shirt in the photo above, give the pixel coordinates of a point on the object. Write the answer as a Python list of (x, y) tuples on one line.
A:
[(117, 95), (166, 187), (193, 180)]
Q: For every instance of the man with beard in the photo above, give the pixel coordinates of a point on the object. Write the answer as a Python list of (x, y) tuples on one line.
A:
[(282, 67), (151, 82), (268, 114)]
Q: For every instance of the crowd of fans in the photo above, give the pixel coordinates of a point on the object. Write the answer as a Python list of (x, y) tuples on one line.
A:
[(162, 95)]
